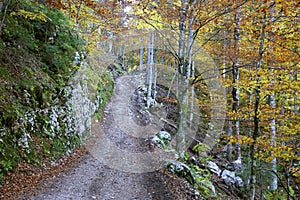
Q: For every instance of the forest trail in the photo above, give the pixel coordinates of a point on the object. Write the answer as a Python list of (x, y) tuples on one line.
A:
[(91, 178)]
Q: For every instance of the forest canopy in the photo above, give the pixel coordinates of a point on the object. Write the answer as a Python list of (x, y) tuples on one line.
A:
[(255, 46)]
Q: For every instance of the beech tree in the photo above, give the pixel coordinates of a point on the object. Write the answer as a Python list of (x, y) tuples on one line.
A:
[(255, 45), (267, 63), (149, 69)]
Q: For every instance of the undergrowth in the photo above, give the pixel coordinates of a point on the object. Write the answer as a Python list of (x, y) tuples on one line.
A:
[(37, 49)]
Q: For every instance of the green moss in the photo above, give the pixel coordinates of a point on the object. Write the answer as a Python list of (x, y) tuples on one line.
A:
[(105, 91), (4, 73), (33, 72)]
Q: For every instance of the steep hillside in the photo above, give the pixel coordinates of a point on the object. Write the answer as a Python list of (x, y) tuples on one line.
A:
[(37, 64)]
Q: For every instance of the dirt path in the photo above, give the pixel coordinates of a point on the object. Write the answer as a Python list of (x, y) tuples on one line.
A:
[(104, 175), (89, 179)]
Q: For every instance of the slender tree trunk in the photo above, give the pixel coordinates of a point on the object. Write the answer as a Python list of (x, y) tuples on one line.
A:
[(229, 133), (225, 46), (183, 110), (122, 56), (235, 89), (110, 44), (141, 57), (274, 181), (78, 12), (4, 7), (192, 106), (192, 95), (273, 163), (182, 29), (162, 57), (154, 74), (189, 42), (252, 147), (149, 67), (256, 118), (255, 134), (228, 121), (154, 81)]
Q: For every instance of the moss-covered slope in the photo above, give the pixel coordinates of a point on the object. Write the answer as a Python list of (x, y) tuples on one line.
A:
[(37, 49)]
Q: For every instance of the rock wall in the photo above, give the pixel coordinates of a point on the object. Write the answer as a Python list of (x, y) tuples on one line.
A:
[(29, 132), (84, 101), (69, 116)]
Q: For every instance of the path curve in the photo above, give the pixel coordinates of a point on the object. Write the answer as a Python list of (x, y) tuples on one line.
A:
[(93, 179)]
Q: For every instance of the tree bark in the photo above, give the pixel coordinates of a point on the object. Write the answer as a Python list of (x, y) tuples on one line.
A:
[(4, 12), (273, 163), (189, 42), (228, 129), (229, 133), (183, 113), (295, 94), (78, 12), (155, 61), (141, 57), (235, 89), (149, 67), (110, 43), (182, 29), (255, 134)]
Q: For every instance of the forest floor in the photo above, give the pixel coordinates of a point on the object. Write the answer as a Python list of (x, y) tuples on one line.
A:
[(85, 175)]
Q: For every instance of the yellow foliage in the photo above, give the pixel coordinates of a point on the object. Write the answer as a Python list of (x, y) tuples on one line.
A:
[(31, 15)]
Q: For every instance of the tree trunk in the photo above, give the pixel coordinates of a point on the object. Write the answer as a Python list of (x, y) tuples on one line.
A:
[(182, 29), (255, 134), (189, 43), (141, 57), (110, 44), (229, 133), (5, 6), (192, 94), (295, 94), (235, 89), (273, 163), (78, 12), (122, 55), (228, 129), (183, 110), (149, 71), (154, 74)]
